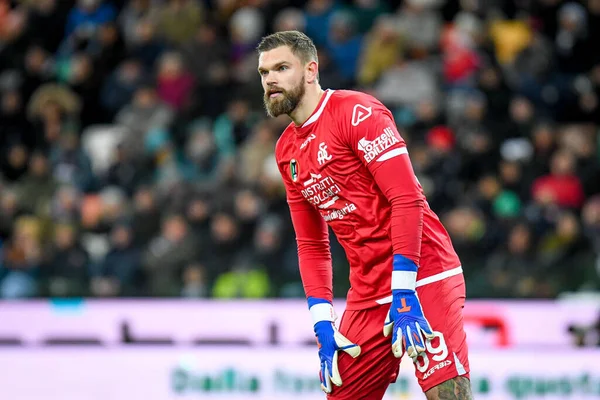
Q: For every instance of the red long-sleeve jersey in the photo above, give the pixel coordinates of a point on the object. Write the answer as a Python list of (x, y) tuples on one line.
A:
[(348, 167)]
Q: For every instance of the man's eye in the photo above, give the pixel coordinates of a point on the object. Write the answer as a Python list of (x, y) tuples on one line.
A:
[(283, 68)]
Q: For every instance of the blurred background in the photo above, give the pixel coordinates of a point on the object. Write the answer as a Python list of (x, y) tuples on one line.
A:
[(137, 173)]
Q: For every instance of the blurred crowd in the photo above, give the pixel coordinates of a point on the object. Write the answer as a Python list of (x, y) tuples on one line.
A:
[(136, 158)]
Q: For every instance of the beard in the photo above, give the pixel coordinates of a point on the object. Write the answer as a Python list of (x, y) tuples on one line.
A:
[(286, 103)]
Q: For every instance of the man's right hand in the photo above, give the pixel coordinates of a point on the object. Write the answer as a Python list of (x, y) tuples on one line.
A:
[(330, 342)]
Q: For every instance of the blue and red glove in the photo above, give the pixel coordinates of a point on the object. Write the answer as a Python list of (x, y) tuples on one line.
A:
[(405, 321), (329, 341)]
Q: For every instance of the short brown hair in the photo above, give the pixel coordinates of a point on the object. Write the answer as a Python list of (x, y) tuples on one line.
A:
[(301, 45)]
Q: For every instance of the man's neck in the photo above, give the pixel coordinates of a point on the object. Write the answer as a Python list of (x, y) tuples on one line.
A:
[(308, 105)]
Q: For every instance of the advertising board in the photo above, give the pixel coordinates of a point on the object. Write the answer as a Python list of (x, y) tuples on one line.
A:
[(495, 324), (169, 373)]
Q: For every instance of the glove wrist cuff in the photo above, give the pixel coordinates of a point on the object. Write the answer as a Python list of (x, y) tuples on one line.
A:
[(322, 312), (404, 280)]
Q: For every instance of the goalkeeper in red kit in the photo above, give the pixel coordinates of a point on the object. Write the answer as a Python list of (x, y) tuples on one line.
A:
[(345, 165)]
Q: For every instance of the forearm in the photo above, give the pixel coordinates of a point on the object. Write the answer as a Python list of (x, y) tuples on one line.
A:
[(406, 230), (407, 227), (399, 185), (314, 254)]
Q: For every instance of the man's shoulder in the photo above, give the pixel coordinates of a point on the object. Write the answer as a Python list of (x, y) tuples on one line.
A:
[(352, 107), (349, 98), (354, 104)]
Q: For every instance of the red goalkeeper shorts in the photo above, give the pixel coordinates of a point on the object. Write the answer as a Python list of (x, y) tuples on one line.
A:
[(368, 376)]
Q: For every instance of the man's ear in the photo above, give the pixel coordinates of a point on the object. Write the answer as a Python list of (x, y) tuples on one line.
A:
[(312, 72)]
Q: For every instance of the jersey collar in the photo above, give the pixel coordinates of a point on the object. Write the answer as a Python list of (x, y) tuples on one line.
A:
[(302, 130)]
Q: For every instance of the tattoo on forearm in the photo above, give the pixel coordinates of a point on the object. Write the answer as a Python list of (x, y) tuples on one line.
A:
[(458, 388)]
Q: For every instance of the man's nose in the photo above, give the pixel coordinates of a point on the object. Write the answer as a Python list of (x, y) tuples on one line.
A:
[(270, 79)]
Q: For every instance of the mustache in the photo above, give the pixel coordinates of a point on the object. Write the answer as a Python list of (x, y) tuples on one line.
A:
[(272, 90)]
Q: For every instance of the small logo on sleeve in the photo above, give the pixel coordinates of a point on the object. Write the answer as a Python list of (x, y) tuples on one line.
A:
[(360, 113), (373, 148)]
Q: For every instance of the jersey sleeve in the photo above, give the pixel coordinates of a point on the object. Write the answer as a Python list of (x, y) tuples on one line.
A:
[(312, 239), (368, 128)]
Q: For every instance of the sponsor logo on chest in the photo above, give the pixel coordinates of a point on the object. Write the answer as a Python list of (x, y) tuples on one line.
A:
[(323, 192), (331, 215)]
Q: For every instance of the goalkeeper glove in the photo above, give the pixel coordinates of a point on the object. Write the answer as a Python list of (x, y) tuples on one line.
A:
[(329, 341), (405, 321)]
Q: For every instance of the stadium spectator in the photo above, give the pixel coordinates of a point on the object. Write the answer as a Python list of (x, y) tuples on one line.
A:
[(138, 127)]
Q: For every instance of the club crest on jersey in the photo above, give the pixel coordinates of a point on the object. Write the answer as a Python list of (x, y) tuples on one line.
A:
[(294, 170), (322, 155)]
